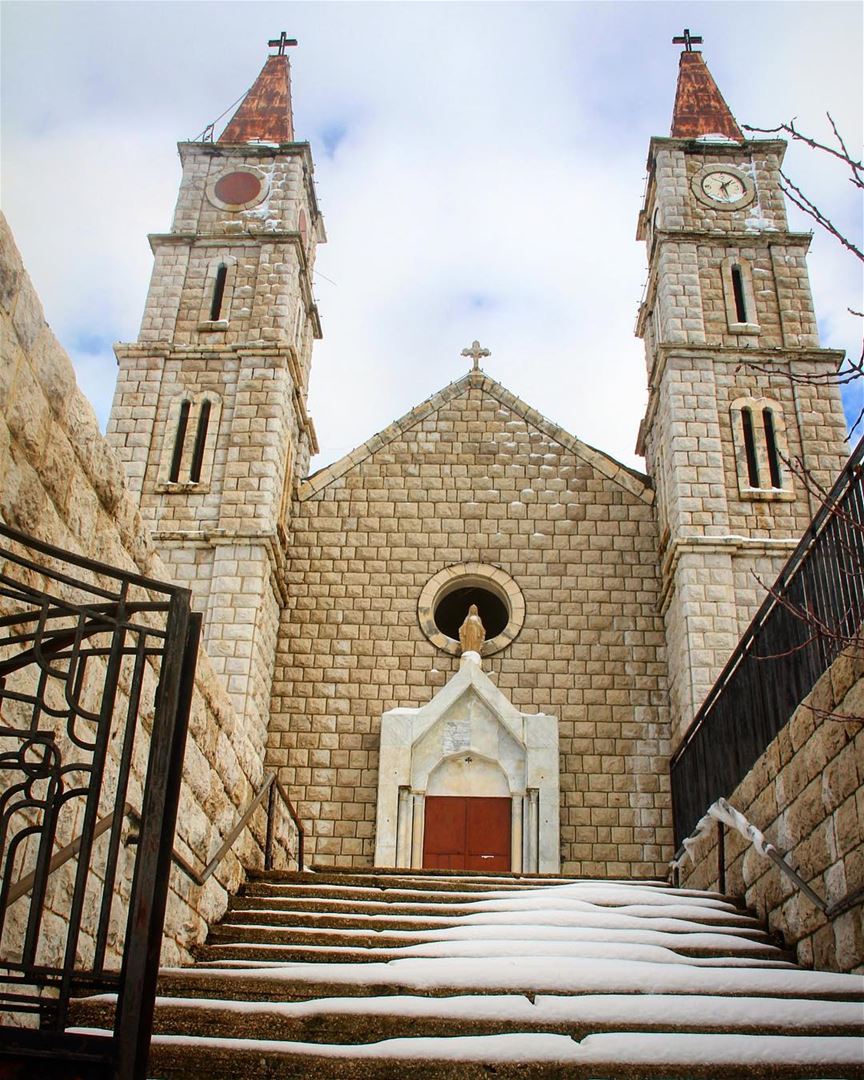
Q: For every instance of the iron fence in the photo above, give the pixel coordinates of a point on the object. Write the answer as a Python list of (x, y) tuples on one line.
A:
[(811, 613), (96, 675)]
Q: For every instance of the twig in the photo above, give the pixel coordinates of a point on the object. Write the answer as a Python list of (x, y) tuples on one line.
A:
[(843, 155), (797, 196)]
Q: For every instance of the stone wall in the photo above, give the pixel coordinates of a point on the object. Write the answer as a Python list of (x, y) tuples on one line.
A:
[(475, 475), (806, 794), (61, 482)]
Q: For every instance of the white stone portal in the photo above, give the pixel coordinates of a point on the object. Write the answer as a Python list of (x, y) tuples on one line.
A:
[(469, 740)]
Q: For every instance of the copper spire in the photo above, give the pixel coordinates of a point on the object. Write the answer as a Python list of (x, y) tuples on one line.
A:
[(699, 105), (264, 114)]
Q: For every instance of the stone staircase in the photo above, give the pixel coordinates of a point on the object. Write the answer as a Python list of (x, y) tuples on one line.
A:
[(395, 974)]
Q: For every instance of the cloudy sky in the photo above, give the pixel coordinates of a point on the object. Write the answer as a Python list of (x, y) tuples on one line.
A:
[(480, 167)]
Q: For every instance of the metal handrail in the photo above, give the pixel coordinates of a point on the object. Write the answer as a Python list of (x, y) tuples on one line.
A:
[(770, 851), (25, 884), (271, 787)]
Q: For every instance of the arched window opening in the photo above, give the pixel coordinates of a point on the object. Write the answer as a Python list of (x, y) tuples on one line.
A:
[(759, 437), (738, 293), (750, 448), (771, 448), (179, 440), (218, 292), (200, 441)]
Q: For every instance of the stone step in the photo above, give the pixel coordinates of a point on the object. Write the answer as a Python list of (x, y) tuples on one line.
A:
[(694, 945), (438, 978), (541, 1056), (384, 877), (429, 878), (249, 912), (387, 975), (310, 954), (345, 1020), (709, 909)]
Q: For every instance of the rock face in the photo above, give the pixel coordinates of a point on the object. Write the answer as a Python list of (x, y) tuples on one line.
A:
[(389, 974), (61, 483)]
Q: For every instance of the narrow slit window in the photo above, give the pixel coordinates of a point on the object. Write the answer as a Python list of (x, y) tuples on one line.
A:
[(738, 293), (750, 448), (771, 447), (179, 440), (200, 442), (218, 292)]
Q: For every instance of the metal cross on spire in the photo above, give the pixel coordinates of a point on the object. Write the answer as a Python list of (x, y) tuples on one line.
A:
[(476, 352), (687, 40), (282, 43)]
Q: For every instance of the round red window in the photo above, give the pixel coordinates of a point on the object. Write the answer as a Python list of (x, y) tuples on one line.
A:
[(237, 187)]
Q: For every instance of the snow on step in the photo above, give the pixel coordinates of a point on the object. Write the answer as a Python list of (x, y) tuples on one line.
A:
[(491, 931), (365, 975), (527, 975), (620, 1012), (602, 1051), (571, 917)]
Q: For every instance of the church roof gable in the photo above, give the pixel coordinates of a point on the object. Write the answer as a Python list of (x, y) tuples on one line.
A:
[(634, 482)]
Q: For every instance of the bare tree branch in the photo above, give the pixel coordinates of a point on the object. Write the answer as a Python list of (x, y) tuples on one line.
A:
[(797, 196), (857, 167)]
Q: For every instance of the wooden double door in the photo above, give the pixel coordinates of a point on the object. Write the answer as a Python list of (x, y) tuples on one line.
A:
[(462, 833)]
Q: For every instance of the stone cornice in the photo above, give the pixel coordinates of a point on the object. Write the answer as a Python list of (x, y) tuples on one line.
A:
[(762, 236), (230, 238), (635, 482), (205, 538), (831, 358), (183, 352), (713, 545), (249, 149), (706, 146)]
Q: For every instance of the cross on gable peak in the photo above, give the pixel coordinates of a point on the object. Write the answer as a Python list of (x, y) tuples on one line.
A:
[(282, 43), (476, 352)]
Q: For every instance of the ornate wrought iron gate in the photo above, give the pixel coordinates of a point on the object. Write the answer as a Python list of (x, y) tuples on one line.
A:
[(96, 675)]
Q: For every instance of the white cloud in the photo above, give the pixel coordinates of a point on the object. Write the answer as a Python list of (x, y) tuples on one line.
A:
[(486, 185)]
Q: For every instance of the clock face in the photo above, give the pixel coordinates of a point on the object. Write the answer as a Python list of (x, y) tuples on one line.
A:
[(723, 188)]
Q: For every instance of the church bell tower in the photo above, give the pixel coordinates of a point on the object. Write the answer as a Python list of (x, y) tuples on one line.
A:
[(209, 415), (740, 394)]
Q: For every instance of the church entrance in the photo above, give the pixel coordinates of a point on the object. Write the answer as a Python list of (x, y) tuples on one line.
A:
[(462, 833)]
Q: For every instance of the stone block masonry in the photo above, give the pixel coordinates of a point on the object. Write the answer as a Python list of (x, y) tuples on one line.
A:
[(474, 475), (62, 483), (805, 794)]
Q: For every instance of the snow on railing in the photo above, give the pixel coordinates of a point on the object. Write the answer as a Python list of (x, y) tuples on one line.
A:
[(725, 814)]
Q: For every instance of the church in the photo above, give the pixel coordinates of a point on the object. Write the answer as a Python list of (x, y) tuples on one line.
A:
[(610, 599), (474, 645)]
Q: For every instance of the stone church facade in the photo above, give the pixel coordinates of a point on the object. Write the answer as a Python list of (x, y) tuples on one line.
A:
[(610, 599)]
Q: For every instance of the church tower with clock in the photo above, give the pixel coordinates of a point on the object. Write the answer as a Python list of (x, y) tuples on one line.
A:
[(209, 414), (740, 425)]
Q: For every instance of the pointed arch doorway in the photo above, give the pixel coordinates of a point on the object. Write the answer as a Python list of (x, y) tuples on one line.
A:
[(467, 782)]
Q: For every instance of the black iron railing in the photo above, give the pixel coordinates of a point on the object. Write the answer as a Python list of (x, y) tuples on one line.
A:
[(96, 676), (811, 613)]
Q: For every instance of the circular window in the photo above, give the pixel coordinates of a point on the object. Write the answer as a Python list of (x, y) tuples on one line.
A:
[(446, 598), (237, 190)]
